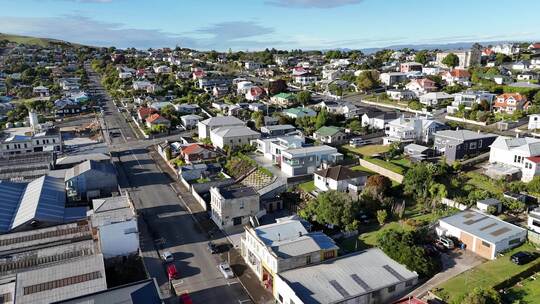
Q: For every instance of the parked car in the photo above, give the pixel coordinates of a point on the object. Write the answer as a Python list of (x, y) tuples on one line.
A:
[(447, 242), (172, 273), (440, 246), (522, 257), (226, 270), (167, 257), (357, 142), (213, 248)]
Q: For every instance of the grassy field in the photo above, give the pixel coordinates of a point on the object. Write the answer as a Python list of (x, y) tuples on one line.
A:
[(488, 274), (29, 40), (307, 186), (397, 165), (362, 169), (480, 181), (526, 292), (367, 150)]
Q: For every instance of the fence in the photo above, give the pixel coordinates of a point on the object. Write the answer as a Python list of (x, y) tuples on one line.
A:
[(472, 122), (382, 171), (454, 204)]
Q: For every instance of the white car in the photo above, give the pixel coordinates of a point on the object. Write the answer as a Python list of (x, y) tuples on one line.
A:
[(357, 142), (226, 270), (167, 257)]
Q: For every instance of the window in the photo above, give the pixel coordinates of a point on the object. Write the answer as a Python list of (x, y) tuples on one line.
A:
[(486, 244), (391, 288), (242, 205), (308, 259), (472, 145), (408, 283), (514, 241), (375, 293), (536, 223), (280, 298), (329, 254)]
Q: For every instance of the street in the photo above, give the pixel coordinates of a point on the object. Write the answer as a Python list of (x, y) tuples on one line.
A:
[(163, 216)]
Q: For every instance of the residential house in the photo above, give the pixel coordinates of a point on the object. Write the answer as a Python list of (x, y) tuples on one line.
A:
[(159, 105), (250, 65), (400, 95), (457, 76), (205, 126), (485, 205), (390, 79), (145, 112), (339, 178), (190, 121), (421, 86), (271, 148), (157, 120), (411, 129), (467, 58), (25, 140), (533, 220), (235, 136), (509, 157), (115, 220), (306, 160), (233, 206), (408, 67), (377, 119), (368, 276), (220, 90), (91, 179), (330, 135), (197, 153), (299, 112), (274, 248), (41, 91), (483, 234), (277, 130), (459, 144), (523, 65), (418, 152), (534, 122), (510, 102), (435, 98), (508, 49), (470, 98), (187, 108), (305, 79)]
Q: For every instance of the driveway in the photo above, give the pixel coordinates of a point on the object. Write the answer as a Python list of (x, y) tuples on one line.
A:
[(454, 263)]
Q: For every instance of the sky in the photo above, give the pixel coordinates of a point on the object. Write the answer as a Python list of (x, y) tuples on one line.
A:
[(282, 24)]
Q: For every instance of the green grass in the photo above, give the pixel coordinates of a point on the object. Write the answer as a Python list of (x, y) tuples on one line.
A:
[(397, 165), (362, 169), (485, 275), (307, 186), (480, 181), (44, 42), (527, 292), (367, 150)]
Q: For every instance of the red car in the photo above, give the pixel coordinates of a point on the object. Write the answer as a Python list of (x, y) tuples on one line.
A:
[(185, 299), (172, 272)]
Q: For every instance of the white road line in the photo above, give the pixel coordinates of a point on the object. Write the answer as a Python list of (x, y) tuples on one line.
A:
[(243, 301), (232, 283)]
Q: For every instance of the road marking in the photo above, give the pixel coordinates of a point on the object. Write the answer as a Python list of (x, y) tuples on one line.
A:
[(232, 283), (243, 301)]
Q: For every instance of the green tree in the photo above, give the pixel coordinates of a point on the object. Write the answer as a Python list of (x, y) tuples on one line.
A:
[(303, 97), (355, 126), (482, 296), (334, 208), (258, 118), (421, 57), (451, 60), (322, 118), (368, 80), (417, 181), (501, 58), (381, 216)]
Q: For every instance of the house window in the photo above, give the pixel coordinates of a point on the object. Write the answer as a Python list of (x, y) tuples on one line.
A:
[(514, 241), (391, 288), (486, 244), (329, 254), (409, 283), (472, 146), (241, 205), (280, 298), (536, 223), (308, 259)]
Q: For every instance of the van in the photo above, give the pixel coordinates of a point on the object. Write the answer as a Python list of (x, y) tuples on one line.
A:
[(446, 242), (172, 272)]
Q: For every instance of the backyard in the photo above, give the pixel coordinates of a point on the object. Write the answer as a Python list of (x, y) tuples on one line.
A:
[(399, 165), (368, 150), (489, 274), (526, 292), (307, 186)]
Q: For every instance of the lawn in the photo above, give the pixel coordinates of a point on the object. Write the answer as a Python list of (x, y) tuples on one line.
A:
[(367, 150), (369, 237), (362, 169), (526, 292), (480, 181), (396, 165), (307, 186), (487, 274)]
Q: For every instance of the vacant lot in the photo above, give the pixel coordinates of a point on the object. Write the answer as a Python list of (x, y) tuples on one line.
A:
[(488, 274), (368, 150)]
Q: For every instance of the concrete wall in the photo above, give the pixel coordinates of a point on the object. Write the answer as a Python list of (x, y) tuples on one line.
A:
[(382, 171)]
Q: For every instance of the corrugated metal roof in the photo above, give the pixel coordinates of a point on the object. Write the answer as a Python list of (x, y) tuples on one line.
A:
[(10, 196)]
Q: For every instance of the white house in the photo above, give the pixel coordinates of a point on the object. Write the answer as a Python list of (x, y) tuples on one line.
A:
[(518, 153), (307, 160), (271, 148), (233, 206), (534, 122), (232, 136), (411, 129), (339, 178), (305, 79), (205, 126), (190, 121), (533, 220), (377, 120), (435, 98), (116, 224), (392, 78), (400, 94)]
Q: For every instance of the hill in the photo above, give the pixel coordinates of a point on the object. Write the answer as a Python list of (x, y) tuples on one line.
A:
[(44, 42)]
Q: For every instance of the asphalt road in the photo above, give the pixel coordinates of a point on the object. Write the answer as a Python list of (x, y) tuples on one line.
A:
[(165, 218)]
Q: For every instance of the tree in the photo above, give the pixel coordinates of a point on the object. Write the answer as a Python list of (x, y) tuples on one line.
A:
[(421, 57), (258, 118), (367, 80), (334, 208), (378, 185), (534, 185), (381, 216), (303, 97), (417, 181), (451, 60), (355, 126), (482, 296), (501, 58), (321, 119)]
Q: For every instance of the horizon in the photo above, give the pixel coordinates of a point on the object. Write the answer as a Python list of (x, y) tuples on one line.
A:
[(280, 24)]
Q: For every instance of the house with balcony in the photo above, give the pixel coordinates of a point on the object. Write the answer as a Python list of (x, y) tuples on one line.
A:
[(459, 144), (470, 98), (272, 148), (306, 160), (330, 135), (510, 102), (340, 178), (411, 130), (271, 249), (511, 158)]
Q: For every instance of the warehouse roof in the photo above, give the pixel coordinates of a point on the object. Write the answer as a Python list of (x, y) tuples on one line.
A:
[(346, 277)]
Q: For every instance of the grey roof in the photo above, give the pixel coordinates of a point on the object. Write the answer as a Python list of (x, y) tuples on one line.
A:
[(222, 121), (141, 292), (233, 192), (490, 201), (346, 277), (88, 166), (339, 173), (483, 226), (309, 150), (416, 148), (303, 244), (111, 209), (463, 135), (77, 159), (235, 131), (277, 232), (10, 196), (277, 127)]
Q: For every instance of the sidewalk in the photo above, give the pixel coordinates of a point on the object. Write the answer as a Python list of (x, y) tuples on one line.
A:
[(246, 276)]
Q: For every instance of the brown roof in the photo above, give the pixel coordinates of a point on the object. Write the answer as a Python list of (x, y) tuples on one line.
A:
[(339, 173)]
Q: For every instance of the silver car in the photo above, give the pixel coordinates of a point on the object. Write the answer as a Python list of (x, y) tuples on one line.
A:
[(226, 270)]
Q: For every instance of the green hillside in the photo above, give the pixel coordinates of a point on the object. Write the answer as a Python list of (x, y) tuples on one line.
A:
[(45, 42)]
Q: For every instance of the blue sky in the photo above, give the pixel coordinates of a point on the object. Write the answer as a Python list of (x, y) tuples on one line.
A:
[(283, 24)]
